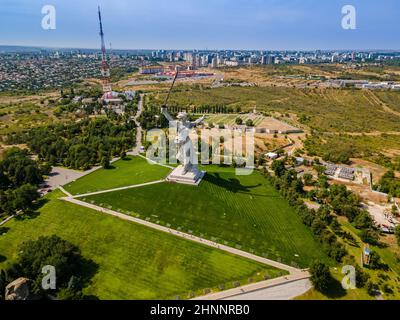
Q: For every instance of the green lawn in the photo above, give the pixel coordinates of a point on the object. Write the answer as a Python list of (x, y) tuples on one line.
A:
[(241, 211), (134, 262), (131, 171)]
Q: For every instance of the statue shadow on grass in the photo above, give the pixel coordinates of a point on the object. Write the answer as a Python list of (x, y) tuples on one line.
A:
[(231, 184)]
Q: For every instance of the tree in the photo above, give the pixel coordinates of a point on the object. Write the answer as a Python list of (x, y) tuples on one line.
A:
[(372, 288), (362, 278), (24, 196), (4, 280), (4, 181), (370, 236), (18, 169), (50, 250), (363, 220), (239, 121), (105, 162), (323, 182), (320, 276), (308, 179), (376, 261), (249, 123), (69, 294), (318, 226), (395, 212), (397, 233), (278, 167)]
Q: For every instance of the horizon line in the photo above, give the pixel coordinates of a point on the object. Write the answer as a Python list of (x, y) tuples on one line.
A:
[(187, 49)]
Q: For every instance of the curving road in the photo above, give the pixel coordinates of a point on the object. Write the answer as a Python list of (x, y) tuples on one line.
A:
[(136, 150)]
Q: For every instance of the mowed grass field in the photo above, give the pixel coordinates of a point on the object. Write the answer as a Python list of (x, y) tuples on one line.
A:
[(130, 171), (134, 262), (245, 212)]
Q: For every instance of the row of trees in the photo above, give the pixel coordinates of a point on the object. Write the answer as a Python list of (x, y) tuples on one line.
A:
[(208, 109), (334, 200), (79, 145), (291, 187)]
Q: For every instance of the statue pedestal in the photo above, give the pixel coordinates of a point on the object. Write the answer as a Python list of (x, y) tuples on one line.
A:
[(192, 177)]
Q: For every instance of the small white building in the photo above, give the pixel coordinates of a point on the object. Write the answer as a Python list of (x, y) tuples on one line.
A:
[(272, 155), (299, 161)]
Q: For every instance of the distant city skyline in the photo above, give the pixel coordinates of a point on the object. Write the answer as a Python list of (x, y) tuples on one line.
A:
[(206, 24)]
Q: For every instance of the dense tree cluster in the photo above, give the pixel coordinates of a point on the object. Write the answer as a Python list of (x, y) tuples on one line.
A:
[(334, 200), (389, 184), (321, 277), (376, 262), (72, 270), (79, 145), (346, 203), (19, 178)]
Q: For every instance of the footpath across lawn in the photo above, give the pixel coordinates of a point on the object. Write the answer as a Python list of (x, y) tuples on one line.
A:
[(134, 262), (130, 171), (245, 212)]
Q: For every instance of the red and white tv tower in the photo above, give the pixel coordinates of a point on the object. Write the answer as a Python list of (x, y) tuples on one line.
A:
[(105, 68)]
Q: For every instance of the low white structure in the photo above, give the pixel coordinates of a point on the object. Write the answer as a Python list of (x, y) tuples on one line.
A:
[(191, 177), (272, 155), (299, 161)]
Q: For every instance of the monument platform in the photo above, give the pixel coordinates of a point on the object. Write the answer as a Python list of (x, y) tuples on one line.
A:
[(192, 177)]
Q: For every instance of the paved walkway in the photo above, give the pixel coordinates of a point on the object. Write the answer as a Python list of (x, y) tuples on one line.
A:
[(286, 287), (139, 130), (283, 288), (283, 291), (65, 191), (112, 190), (8, 219)]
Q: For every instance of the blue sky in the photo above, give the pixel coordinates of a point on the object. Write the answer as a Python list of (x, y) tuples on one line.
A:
[(201, 24)]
